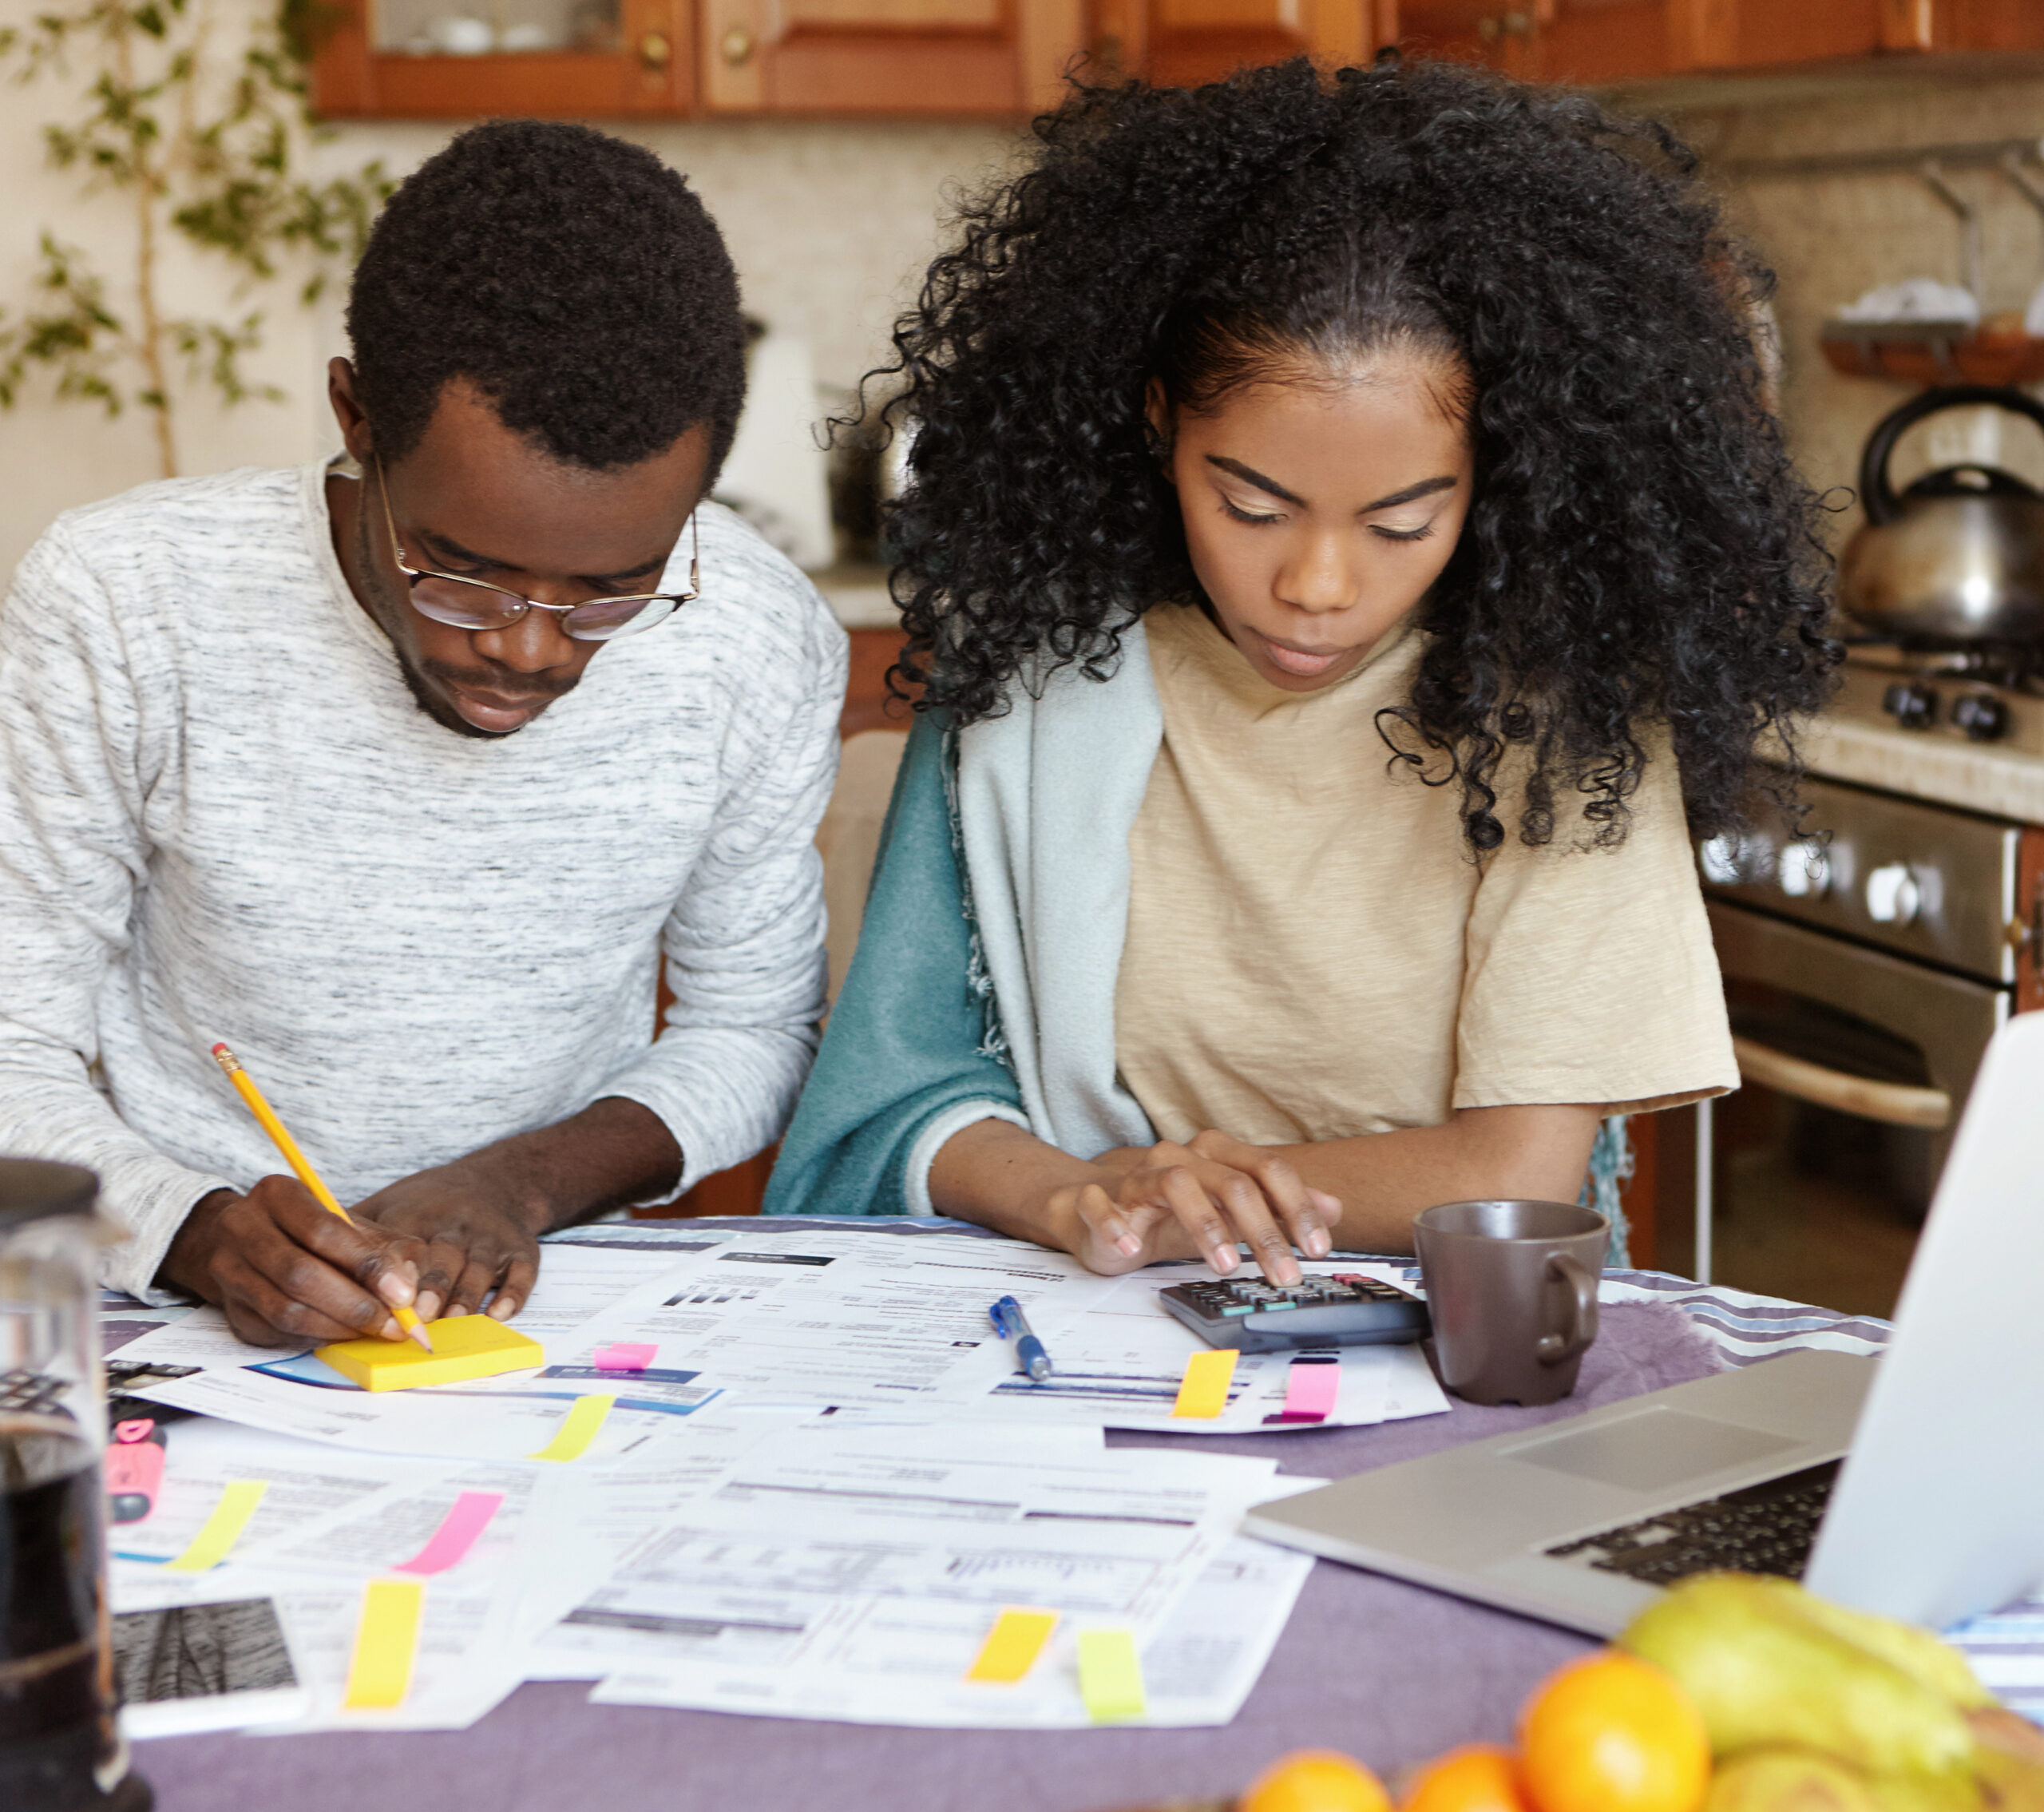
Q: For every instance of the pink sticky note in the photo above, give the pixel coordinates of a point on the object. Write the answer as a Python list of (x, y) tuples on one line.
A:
[(456, 1534), (1311, 1389), (625, 1356)]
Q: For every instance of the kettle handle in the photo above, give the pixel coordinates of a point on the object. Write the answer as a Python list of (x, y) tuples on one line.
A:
[(1876, 495)]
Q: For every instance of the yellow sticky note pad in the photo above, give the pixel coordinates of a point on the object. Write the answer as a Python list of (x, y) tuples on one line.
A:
[(578, 1428), (1011, 1646), (223, 1528), (464, 1346), (1111, 1676), (385, 1644), (1203, 1390)]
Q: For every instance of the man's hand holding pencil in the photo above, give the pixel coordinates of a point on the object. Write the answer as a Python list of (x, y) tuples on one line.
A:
[(285, 1271), (280, 1277)]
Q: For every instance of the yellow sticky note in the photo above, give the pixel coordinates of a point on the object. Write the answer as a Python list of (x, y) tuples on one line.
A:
[(1111, 1676), (1203, 1390), (578, 1428), (209, 1547), (1011, 1646), (386, 1644), (464, 1346)]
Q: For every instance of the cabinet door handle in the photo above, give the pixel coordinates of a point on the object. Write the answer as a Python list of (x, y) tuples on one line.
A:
[(1897, 1104), (655, 51), (737, 45)]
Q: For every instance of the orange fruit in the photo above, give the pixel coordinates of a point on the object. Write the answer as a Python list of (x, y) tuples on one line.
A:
[(1479, 1777), (1315, 1780), (1613, 1733)]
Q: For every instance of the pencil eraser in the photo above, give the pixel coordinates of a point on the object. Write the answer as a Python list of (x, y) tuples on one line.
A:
[(464, 1346)]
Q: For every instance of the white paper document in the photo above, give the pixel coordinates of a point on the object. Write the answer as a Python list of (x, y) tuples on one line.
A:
[(435, 1424), (828, 1577), (822, 1318), (820, 1482), (840, 1318), (1120, 1362)]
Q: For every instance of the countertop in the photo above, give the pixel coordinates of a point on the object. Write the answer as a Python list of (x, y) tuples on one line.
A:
[(1979, 777)]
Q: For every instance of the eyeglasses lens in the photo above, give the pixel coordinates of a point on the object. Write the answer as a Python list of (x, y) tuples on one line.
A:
[(478, 607), (601, 618), (463, 607)]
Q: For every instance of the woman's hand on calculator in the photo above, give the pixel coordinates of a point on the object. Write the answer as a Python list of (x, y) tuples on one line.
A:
[(1198, 1199)]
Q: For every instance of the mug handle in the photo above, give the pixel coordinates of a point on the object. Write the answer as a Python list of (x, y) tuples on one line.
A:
[(1582, 1329)]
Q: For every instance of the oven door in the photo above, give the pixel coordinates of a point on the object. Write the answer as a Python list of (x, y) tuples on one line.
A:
[(1945, 1019), (1821, 1018)]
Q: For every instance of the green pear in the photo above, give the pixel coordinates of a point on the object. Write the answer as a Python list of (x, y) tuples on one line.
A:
[(1764, 1672)]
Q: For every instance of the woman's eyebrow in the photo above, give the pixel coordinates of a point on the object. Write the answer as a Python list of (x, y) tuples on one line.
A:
[(1426, 487), (1248, 475)]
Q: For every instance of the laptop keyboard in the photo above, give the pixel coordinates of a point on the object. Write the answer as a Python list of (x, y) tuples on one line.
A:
[(1768, 1528)]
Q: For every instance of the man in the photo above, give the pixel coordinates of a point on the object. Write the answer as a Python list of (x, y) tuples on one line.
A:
[(279, 767)]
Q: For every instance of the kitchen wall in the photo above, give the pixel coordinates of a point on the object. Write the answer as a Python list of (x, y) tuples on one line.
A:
[(829, 224), (1831, 238)]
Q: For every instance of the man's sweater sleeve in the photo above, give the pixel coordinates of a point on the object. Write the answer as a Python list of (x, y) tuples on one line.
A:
[(901, 1069), (80, 730), (744, 944)]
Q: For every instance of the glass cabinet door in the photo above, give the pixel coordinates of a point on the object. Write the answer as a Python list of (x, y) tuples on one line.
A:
[(458, 59)]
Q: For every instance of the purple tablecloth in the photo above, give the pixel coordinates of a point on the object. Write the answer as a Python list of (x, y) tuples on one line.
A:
[(1390, 1673)]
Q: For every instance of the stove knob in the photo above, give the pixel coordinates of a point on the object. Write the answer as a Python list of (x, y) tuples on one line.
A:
[(1911, 703), (1892, 894), (1722, 860), (1804, 872), (1983, 716)]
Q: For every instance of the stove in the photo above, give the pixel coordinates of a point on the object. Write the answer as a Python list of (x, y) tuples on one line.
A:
[(1976, 695), (1868, 962)]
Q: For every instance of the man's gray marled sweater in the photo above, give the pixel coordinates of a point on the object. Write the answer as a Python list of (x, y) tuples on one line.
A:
[(223, 816)]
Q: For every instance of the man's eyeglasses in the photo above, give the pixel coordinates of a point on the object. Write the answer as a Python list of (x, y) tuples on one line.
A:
[(469, 603)]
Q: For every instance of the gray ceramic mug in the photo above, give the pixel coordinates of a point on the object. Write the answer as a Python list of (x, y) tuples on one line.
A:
[(1512, 1290)]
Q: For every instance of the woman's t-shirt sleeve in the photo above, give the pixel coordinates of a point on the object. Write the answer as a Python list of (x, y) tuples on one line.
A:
[(1590, 975)]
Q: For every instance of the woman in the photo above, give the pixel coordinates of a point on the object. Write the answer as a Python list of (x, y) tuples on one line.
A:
[(1349, 554)]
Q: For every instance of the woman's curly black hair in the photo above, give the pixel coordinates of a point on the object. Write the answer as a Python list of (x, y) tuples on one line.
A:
[(1639, 549), (574, 280)]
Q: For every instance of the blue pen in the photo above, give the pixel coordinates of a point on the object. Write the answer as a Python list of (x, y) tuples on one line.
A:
[(1030, 1357)]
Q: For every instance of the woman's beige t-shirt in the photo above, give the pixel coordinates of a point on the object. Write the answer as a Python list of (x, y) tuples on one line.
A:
[(1314, 952)]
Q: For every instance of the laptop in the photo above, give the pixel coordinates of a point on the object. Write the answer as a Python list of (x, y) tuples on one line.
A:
[(1912, 1484)]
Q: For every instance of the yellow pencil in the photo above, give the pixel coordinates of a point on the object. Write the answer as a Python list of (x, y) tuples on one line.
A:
[(245, 1084)]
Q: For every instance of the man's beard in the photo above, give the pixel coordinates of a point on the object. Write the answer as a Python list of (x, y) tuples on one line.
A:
[(431, 703), (442, 713)]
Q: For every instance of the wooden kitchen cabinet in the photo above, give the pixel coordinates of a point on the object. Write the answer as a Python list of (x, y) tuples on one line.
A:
[(2026, 933), (1594, 41), (903, 57), (1178, 42), (1580, 41), (608, 59), (636, 59)]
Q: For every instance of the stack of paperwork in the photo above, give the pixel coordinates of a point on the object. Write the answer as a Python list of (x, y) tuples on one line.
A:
[(789, 1471)]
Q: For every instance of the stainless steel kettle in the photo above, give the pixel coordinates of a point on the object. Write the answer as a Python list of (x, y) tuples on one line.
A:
[(1958, 557)]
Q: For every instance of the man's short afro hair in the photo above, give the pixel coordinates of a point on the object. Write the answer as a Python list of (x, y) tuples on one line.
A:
[(574, 280)]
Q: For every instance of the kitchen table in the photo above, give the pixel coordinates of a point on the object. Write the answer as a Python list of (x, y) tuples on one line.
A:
[(1391, 1672)]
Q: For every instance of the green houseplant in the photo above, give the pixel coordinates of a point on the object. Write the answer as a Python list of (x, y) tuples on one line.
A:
[(192, 115)]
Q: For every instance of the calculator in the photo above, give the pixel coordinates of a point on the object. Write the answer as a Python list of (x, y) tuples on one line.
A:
[(1345, 1310)]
